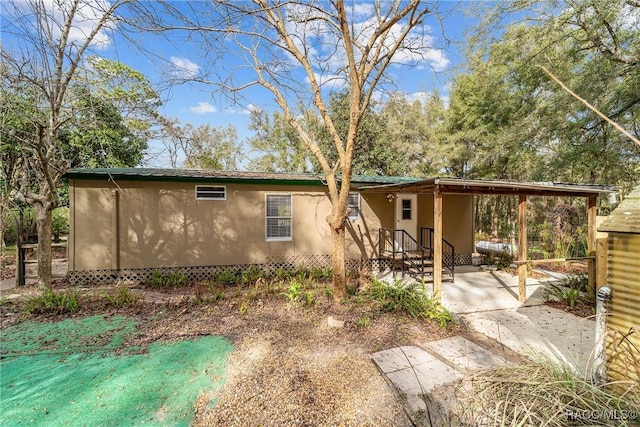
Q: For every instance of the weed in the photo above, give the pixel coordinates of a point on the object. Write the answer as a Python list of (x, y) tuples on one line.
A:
[(352, 289), (250, 275), (53, 302), (567, 295), (320, 273), (364, 321), (227, 278), (328, 292), (303, 272), (579, 282), (121, 297), (167, 280), (294, 290), (544, 393), (309, 299), (244, 306), (282, 274)]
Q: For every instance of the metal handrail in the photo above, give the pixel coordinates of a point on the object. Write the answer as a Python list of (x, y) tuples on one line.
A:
[(427, 244)]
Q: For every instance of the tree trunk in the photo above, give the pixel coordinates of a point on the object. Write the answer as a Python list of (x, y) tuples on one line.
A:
[(338, 262), (43, 221)]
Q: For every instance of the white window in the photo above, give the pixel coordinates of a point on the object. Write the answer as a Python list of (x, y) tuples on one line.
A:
[(206, 192), (279, 216), (354, 205)]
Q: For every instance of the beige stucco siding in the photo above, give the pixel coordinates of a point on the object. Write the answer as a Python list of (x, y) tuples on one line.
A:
[(457, 219), (142, 224), (161, 224), (91, 231)]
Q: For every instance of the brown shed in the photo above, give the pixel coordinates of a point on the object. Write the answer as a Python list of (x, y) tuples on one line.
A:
[(623, 275)]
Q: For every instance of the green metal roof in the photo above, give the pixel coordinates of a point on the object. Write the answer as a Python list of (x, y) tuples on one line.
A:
[(626, 217), (203, 175)]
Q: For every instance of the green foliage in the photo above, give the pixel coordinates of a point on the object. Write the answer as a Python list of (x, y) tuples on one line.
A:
[(53, 303), (60, 221), (579, 282), (364, 321), (167, 280), (121, 297), (295, 289), (211, 148), (250, 275), (560, 293), (320, 273), (227, 277), (407, 298)]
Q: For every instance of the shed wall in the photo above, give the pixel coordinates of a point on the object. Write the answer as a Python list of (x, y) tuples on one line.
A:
[(624, 278)]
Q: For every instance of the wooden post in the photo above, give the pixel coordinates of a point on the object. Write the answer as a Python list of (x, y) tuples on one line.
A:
[(592, 210), (437, 244), (522, 248)]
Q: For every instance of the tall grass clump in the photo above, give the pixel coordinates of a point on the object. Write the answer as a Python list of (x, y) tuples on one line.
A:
[(410, 298), (549, 394), (53, 303)]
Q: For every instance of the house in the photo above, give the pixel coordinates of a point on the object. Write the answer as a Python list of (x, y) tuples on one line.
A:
[(622, 274), (129, 222), (126, 223)]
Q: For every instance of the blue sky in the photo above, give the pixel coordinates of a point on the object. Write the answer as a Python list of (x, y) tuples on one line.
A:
[(162, 57)]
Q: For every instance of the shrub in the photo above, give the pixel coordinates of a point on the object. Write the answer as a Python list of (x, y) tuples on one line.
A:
[(408, 298), (122, 297), (227, 278), (250, 275), (167, 280), (567, 295), (53, 302)]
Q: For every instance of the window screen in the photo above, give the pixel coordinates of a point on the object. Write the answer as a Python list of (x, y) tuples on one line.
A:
[(204, 192), (354, 205), (278, 217)]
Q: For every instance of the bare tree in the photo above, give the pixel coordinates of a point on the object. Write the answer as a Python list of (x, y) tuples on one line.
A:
[(298, 51), (44, 44)]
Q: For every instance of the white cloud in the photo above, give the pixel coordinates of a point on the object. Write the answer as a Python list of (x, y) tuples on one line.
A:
[(244, 111), (87, 16), (184, 68), (335, 81), (327, 50), (203, 108), (363, 9)]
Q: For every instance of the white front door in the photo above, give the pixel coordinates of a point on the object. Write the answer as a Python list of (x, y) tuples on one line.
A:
[(407, 214)]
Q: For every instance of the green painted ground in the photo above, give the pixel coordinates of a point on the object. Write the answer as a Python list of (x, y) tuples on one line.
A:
[(66, 374)]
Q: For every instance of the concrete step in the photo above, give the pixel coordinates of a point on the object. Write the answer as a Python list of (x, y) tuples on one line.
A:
[(423, 376)]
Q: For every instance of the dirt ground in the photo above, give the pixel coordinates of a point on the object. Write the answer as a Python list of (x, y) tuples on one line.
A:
[(288, 366)]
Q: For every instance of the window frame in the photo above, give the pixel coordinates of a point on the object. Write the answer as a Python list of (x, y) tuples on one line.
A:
[(409, 209), (267, 218), (224, 192), (351, 216)]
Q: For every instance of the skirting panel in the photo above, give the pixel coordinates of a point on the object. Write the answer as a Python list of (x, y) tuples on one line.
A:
[(202, 273)]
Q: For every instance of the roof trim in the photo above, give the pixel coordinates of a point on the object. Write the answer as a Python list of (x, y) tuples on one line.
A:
[(208, 176), (362, 183), (476, 186)]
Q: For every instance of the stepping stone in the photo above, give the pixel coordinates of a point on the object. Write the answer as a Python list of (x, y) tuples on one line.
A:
[(414, 373), (465, 355)]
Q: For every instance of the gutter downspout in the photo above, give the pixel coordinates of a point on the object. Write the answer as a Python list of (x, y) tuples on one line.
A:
[(600, 357)]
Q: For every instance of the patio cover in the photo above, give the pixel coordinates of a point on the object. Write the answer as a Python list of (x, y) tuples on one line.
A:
[(440, 186)]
